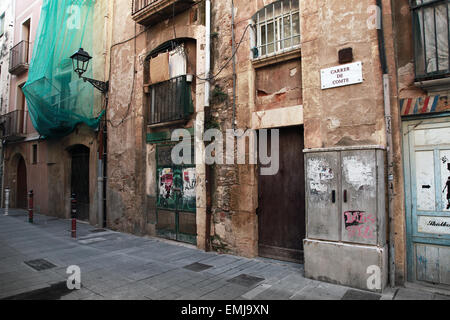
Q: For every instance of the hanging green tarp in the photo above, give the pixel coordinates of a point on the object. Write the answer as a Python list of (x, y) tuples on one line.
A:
[(57, 98)]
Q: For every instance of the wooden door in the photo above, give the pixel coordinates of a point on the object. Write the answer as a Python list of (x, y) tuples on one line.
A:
[(427, 155), (80, 180), (281, 208), (22, 192)]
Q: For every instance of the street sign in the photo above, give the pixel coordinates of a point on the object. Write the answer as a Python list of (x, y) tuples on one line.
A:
[(343, 75)]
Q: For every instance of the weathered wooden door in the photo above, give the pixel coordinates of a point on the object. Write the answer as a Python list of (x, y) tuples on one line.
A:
[(427, 175), (80, 180), (22, 192), (176, 200), (281, 208)]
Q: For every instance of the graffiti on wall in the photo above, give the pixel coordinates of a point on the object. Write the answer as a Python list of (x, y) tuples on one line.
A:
[(360, 224)]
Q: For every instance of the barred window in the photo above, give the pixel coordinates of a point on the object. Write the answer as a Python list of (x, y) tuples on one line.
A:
[(431, 38), (277, 27)]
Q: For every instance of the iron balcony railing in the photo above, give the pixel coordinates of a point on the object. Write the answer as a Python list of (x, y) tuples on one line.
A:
[(169, 101), (18, 59), (151, 12), (138, 5), (12, 125), (431, 38)]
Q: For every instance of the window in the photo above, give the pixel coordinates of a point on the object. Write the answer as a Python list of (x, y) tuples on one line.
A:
[(2, 24), (35, 156), (431, 38), (277, 27)]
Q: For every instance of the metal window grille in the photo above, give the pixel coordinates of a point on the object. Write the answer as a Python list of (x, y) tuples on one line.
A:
[(12, 124), (19, 55), (278, 27), (170, 101), (431, 30), (138, 5)]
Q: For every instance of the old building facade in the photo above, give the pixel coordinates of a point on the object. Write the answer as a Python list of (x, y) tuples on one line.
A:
[(347, 97), (53, 166), (6, 41)]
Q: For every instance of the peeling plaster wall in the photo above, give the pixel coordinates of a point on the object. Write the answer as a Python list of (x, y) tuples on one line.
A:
[(346, 116), (131, 191)]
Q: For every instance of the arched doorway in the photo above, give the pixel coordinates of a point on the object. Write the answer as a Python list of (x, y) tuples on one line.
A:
[(80, 179), (21, 200)]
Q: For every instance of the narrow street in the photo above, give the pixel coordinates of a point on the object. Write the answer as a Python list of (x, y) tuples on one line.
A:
[(121, 266)]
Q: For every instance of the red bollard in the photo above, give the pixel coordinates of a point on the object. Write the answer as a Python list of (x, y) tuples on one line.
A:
[(74, 215), (30, 206)]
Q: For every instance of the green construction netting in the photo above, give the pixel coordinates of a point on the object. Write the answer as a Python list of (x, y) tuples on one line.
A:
[(58, 100)]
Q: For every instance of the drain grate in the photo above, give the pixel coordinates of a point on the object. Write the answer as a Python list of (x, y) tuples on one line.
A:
[(198, 267), (98, 230), (246, 280), (360, 295), (40, 264)]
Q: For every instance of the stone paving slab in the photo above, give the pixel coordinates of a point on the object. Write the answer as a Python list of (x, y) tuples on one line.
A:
[(121, 266)]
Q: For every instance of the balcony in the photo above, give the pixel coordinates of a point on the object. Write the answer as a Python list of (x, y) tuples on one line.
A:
[(12, 126), (18, 59), (151, 12), (169, 102)]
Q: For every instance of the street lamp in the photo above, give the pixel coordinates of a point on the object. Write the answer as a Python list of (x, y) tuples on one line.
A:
[(80, 62)]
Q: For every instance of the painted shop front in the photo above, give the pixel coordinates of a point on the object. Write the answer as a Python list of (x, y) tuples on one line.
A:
[(426, 144)]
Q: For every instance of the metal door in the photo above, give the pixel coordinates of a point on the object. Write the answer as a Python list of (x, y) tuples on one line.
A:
[(427, 174), (281, 207), (176, 199)]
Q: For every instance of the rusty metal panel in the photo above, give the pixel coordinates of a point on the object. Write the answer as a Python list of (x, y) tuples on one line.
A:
[(359, 197), (322, 185)]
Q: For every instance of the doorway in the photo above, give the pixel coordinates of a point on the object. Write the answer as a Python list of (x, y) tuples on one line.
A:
[(22, 184), (427, 185), (281, 198), (80, 180), (176, 199)]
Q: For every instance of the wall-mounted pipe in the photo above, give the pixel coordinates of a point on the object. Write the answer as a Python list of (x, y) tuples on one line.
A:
[(207, 51), (390, 156), (207, 115)]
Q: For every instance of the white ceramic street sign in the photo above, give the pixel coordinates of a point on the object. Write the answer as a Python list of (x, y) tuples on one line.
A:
[(343, 75)]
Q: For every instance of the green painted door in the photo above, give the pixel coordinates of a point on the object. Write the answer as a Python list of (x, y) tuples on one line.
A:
[(176, 198)]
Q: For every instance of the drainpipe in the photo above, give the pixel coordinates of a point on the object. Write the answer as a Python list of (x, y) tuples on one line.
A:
[(208, 51), (207, 115), (102, 158), (233, 50), (390, 156)]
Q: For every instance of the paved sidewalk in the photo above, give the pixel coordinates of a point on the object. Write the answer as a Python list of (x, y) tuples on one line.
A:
[(122, 266)]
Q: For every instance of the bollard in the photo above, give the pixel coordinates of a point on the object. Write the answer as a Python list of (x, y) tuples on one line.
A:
[(30, 206), (7, 191), (73, 201)]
